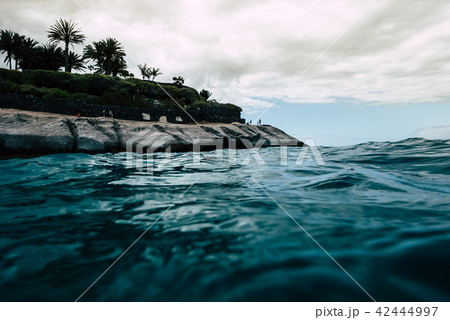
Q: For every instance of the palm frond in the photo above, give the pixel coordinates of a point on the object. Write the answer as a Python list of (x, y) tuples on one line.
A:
[(65, 31)]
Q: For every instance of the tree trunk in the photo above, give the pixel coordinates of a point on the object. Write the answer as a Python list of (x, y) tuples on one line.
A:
[(66, 58), (108, 67)]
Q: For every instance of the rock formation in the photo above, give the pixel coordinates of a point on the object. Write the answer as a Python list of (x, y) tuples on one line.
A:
[(34, 133)]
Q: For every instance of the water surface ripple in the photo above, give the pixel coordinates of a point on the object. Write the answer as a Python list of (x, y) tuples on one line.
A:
[(380, 209)]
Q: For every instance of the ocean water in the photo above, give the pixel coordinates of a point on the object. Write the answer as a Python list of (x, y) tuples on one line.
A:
[(372, 222)]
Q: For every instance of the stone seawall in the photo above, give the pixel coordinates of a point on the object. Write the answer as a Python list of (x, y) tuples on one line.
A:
[(73, 107)]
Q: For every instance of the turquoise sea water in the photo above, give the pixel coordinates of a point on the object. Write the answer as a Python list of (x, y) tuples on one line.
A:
[(381, 210)]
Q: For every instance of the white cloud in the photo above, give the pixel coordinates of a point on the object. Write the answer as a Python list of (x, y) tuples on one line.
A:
[(435, 132), (248, 51)]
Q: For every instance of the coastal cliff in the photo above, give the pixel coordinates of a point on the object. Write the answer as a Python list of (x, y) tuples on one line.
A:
[(25, 133)]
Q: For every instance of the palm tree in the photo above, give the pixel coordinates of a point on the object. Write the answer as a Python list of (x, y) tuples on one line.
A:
[(65, 31), (18, 41), (94, 52), (76, 62), (46, 57), (205, 94), (108, 55), (125, 74), (154, 72), (114, 57), (178, 81), (145, 71), (25, 52), (7, 45), (15, 46), (52, 57), (119, 67)]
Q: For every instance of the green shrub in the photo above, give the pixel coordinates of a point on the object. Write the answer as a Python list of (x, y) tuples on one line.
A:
[(189, 95), (8, 86), (28, 89), (227, 105), (102, 89), (211, 104), (11, 75), (54, 93), (44, 78), (199, 104)]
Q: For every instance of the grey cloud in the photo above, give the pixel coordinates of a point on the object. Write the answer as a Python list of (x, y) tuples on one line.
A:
[(389, 26), (231, 6), (249, 48)]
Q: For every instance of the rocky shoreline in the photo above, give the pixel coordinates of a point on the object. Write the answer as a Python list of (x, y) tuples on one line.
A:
[(26, 133)]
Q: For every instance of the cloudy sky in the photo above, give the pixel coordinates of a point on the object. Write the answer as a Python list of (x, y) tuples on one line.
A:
[(339, 71)]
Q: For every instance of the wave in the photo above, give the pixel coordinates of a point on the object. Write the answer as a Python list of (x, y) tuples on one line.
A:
[(381, 209)]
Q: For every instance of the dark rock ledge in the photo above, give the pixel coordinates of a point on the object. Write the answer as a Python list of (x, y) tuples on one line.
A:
[(26, 133)]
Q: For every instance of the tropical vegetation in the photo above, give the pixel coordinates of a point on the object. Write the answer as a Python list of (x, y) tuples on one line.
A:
[(108, 56), (145, 71), (148, 72), (205, 94), (178, 81), (7, 46), (16, 47), (40, 65), (154, 72), (76, 62), (101, 89), (65, 31)]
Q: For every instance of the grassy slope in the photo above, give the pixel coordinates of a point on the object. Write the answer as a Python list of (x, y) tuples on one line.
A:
[(99, 89)]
